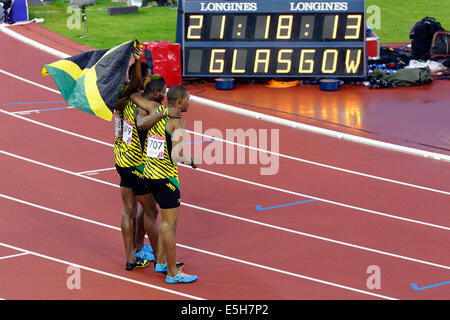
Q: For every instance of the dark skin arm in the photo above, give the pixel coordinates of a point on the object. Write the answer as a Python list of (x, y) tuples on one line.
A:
[(177, 128), (148, 105), (121, 103), (135, 79), (146, 120), (134, 83), (145, 114)]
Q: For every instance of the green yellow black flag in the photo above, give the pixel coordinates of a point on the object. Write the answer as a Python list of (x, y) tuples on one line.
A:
[(91, 81)]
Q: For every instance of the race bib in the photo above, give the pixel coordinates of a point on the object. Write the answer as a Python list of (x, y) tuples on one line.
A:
[(117, 126), (155, 147), (127, 131)]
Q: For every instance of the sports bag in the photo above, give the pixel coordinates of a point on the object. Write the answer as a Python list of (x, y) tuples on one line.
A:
[(440, 48), (440, 43), (421, 36)]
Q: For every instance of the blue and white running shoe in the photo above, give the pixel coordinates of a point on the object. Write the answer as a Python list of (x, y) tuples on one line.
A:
[(148, 248), (163, 267), (181, 278), (145, 254)]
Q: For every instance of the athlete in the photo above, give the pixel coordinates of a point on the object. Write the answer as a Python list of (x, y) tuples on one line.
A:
[(138, 75), (163, 149), (129, 165)]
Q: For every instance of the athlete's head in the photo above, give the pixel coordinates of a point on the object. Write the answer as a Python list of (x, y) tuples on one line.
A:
[(155, 89), (145, 73), (178, 97)]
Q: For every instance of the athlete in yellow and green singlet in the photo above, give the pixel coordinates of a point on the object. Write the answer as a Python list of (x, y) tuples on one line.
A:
[(163, 149), (130, 164)]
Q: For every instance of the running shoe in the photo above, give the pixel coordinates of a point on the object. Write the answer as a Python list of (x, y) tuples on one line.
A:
[(140, 263), (181, 278), (163, 267), (145, 254), (147, 248)]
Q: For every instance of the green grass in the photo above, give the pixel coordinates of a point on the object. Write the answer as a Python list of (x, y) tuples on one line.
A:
[(398, 16), (159, 23), (105, 31)]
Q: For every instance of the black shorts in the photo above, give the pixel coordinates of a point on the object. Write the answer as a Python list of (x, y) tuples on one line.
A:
[(134, 179), (166, 192)]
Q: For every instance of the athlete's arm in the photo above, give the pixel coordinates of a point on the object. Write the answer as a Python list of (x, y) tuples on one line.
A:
[(121, 103), (177, 128), (135, 79), (151, 106), (148, 105), (146, 120)]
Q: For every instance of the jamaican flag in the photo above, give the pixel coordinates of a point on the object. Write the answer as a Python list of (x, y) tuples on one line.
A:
[(91, 81)]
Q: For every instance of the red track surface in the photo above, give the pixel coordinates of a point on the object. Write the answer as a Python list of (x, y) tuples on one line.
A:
[(316, 250)]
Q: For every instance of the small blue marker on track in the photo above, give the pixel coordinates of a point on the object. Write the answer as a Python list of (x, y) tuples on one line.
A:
[(416, 287), (260, 208)]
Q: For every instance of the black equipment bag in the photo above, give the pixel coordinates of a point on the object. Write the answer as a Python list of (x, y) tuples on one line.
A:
[(440, 43), (421, 36), (440, 48)]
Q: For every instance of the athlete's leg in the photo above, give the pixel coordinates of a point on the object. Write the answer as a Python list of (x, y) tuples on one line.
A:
[(161, 257), (167, 234), (150, 219), (126, 223), (139, 231)]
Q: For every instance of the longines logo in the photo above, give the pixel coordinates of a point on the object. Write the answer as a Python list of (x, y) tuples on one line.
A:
[(229, 6), (318, 6)]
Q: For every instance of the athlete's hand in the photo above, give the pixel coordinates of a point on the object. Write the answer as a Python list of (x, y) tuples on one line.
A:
[(194, 163), (174, 112), (138, 53)]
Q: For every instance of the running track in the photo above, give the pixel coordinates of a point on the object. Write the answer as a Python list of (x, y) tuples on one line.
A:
[(372, 207)]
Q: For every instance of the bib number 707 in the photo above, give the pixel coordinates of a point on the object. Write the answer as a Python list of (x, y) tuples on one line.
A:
[(155, 147)]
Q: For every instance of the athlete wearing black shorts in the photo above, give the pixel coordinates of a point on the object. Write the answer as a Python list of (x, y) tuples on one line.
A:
[(166, 192), (162, 154), (133, 178)]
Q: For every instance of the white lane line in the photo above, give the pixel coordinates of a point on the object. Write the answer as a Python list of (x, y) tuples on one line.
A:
[(111, 275), (57, 129), (254, 183), (92, 172), (31, 42), (13, 256), (237, 144), (29, 81), (322, 131), (28, 112), (201, 250), (386, 215), (242, 219), (262, 116), (322, 164)]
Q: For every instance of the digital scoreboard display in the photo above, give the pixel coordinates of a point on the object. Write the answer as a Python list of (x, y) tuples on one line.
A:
[(272, 38)]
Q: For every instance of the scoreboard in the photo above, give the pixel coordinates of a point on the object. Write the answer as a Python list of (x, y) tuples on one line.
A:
[(272, 38)]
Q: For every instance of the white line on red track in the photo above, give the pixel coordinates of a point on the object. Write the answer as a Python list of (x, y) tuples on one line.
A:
[(248, 181), (244, 146), (236, 217), (13, 256), (90, 172), (257, 265), (98, 271)]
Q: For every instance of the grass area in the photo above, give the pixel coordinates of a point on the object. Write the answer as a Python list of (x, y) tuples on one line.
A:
[(159, 23), (398, 16), (105, 31)]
